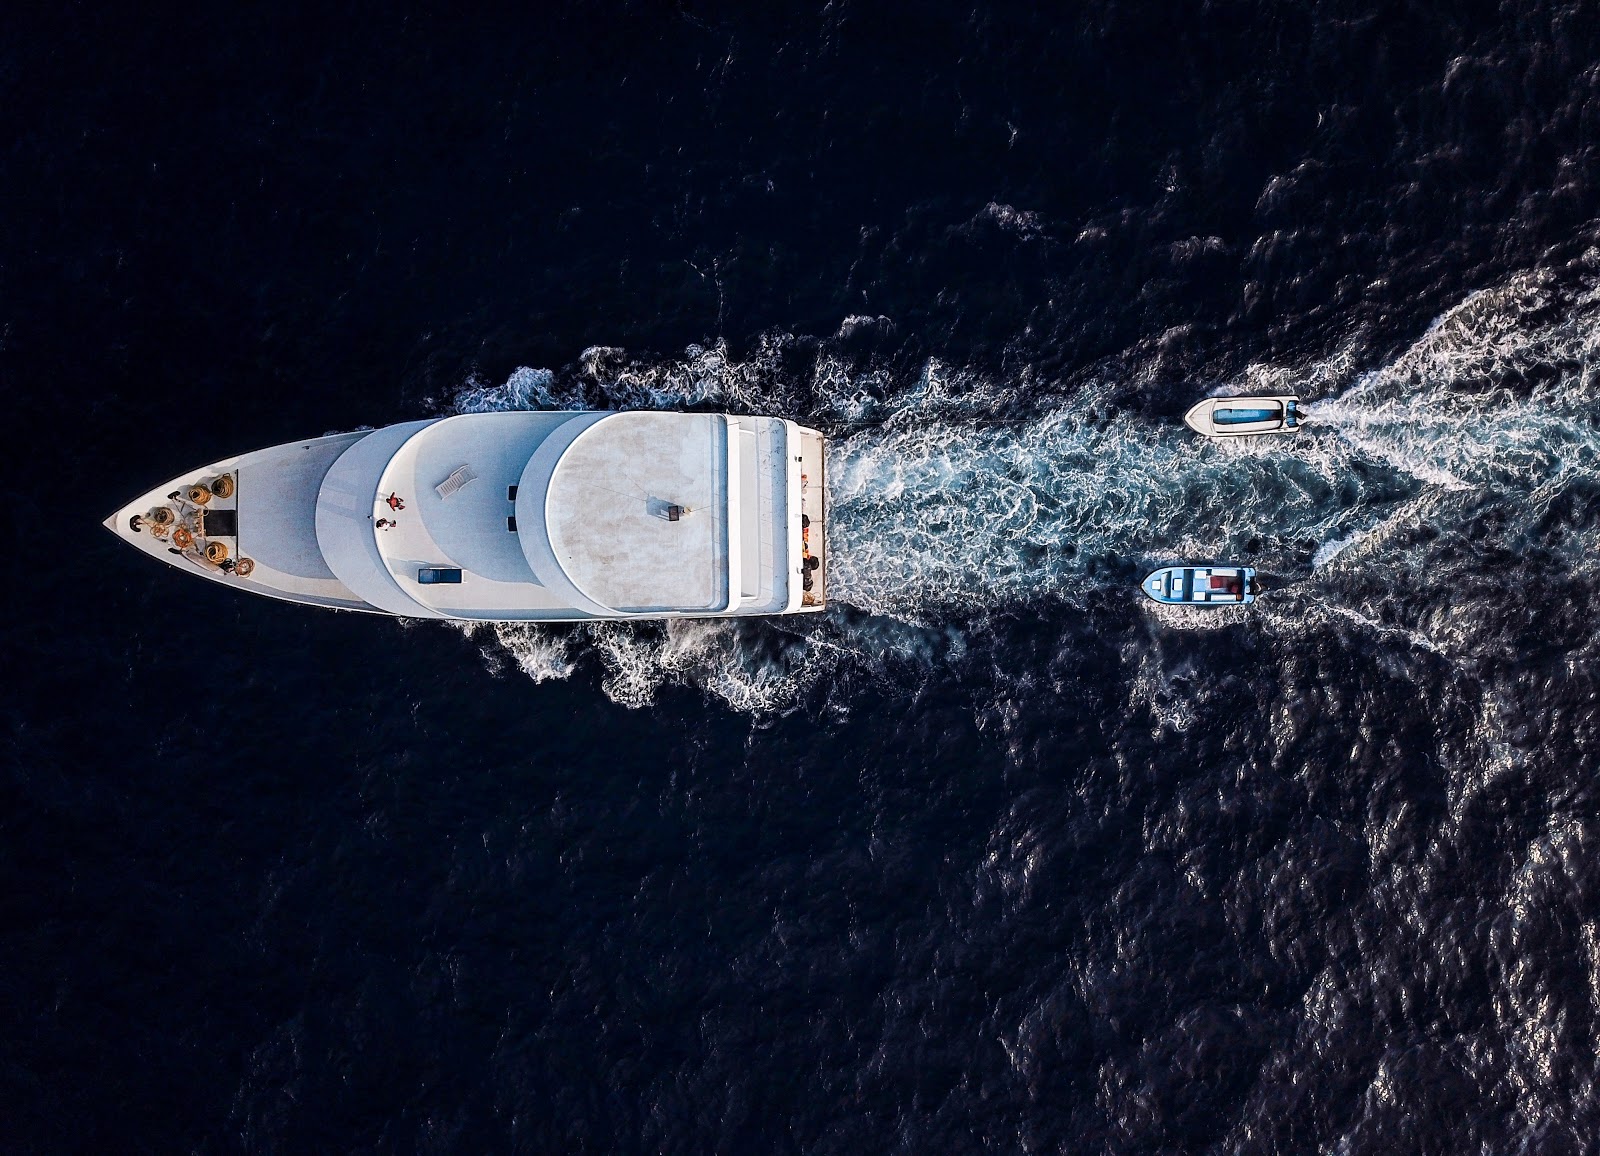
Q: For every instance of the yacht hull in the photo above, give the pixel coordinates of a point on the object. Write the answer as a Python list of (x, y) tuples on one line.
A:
[(548, 516)]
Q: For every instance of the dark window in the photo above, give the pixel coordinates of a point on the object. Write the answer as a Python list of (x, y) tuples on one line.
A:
[(511, 493), (438, 575), (511, 523)]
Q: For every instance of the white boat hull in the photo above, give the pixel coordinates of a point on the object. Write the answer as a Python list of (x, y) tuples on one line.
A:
[(1201, 585), (515, 516), (1233, 417)]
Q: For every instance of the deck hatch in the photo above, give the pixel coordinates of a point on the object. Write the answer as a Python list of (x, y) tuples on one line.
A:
[(219, 523), (438, 576)]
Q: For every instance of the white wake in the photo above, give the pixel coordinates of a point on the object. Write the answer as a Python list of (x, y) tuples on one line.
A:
[(941, 516)]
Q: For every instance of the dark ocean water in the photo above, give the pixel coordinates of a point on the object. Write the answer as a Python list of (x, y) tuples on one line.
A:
[(990, 857)]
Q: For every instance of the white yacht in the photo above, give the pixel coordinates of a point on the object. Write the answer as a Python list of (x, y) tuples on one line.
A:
[(1202, 585), (1234, 417), (512, 516)]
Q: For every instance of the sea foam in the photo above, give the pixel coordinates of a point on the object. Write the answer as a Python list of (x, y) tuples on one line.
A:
[(941, 514)]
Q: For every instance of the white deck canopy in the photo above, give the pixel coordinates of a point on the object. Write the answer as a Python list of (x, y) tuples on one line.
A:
[(345, 519), (455, 481), (637, 512)]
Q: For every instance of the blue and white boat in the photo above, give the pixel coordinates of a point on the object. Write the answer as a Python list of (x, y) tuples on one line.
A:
[(1202, 585), (1232, 417)]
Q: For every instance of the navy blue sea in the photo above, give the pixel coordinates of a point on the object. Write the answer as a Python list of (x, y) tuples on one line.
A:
[(994, 856)]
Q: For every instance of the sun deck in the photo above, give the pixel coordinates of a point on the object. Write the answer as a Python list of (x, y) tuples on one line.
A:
[(455, 485), (638, 511)]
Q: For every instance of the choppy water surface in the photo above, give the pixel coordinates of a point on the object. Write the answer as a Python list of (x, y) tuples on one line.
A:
[(991, 856), (1371, 806)]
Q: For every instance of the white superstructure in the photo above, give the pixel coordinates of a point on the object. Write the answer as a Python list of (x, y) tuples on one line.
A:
[(521, 516)]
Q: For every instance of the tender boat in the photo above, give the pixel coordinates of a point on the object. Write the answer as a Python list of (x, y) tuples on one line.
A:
[(1202, 585), (1234, 417), (513, 516)]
